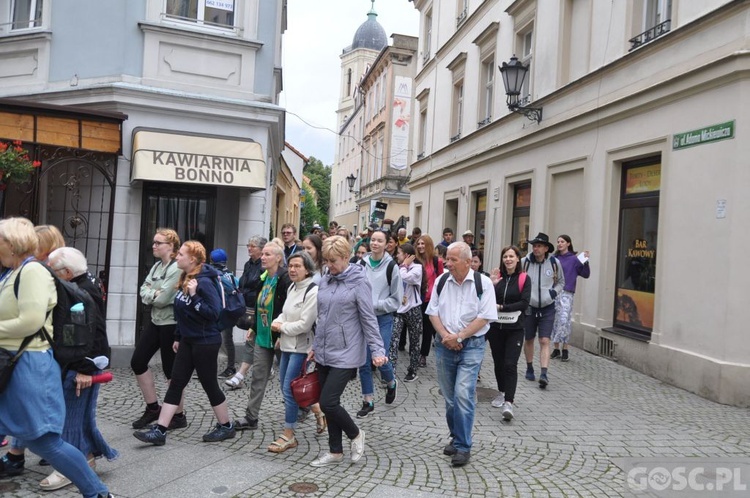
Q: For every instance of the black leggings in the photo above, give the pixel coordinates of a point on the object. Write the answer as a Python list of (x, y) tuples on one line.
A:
[(154, 338), (428, 332), (333, 381), (506, 346), (199, 357)]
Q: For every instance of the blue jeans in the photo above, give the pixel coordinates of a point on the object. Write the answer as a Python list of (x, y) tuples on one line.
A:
[(385, 323), (457, 377), (290, 367)]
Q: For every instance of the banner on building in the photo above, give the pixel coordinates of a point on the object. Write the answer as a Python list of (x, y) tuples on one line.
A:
[(172, 157), (400, 129)]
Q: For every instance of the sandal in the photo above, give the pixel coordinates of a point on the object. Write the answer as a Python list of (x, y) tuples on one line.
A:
[(235, 382), (282, 444), (320, 423), (54, 481)]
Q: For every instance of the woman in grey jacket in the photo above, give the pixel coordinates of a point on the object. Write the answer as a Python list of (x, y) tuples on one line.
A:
[(345, 328)]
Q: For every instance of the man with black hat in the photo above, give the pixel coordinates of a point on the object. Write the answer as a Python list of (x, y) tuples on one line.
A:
[(547, 281)]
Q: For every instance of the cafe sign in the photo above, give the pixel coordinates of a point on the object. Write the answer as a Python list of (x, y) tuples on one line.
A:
[(702, 136), (178, 158)]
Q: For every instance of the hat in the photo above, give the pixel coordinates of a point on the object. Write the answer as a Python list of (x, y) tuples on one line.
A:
[(542, 238), (219, 256), (468, 232)]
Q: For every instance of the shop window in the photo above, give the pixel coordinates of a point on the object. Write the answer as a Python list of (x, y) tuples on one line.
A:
[(211, 12), (636, 248), (521, 214), (26, 14), (480, 216)]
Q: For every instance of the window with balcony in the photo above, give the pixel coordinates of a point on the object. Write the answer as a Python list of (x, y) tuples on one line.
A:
[(657, 21), (25, 14), (462, 12), (457, 68), (209, 12), (525, 40), (486, 97), (427, 36)]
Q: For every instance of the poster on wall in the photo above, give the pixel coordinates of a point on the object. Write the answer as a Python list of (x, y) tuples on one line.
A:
[(400, 117)]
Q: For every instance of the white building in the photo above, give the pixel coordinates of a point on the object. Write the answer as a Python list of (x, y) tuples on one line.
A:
[(639, 146), (195, 86)]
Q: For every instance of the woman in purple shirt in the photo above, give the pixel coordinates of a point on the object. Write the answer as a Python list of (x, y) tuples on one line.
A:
[(572, 269)]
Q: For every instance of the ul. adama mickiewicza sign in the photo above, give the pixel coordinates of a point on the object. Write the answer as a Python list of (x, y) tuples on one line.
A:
[(170, 157)]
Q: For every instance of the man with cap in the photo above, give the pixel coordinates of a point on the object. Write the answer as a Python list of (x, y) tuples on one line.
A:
[(469, 239), (228, 280), (547, 281)]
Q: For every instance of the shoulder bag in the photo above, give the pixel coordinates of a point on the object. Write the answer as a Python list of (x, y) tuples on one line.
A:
[(8, 362)]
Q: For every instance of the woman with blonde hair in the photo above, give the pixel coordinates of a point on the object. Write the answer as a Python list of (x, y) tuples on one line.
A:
[(50, 239), (32, 407), (158, 291), (198, 339)]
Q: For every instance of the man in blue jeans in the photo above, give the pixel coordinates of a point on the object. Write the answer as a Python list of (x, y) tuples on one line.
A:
[(460, 311)]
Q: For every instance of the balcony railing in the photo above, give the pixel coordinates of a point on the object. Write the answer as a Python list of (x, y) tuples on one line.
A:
[(650, 34), (455, 137), (462, 17), (420, 156), (484, 122), (425, 57)]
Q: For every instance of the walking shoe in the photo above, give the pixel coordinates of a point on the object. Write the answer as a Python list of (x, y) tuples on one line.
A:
[(498, 401), (244, 423), (148, 417), (422, 361), (10, 468), (555, 354), (449, 449), (460, 459), (219, 433), (153, 436), (367, 408), (235, 381), (411, 376), (358, 446), (565, 355), (507, 410), (543, 381), (530, 374), (228, 373), (390, 392), (327, 459), (54, 481), (179, 421)]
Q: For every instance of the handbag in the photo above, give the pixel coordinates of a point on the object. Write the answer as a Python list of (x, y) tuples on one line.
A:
[(8, 362), (247, 321), (306, 387)]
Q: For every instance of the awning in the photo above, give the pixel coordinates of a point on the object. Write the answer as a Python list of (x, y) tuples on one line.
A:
[(172, 157)]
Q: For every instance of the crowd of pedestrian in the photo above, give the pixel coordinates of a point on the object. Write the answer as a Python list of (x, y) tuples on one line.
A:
[(347, 304)]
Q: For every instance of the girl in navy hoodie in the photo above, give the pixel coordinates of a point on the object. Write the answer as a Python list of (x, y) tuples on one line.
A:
[(197, 342)]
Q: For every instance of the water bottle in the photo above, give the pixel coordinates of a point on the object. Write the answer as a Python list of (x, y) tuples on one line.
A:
[(78, 314)]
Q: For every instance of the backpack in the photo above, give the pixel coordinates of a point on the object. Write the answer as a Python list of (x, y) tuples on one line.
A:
[(477, 284), (552, 260), (71, 342), (389, 270), (232, 301)]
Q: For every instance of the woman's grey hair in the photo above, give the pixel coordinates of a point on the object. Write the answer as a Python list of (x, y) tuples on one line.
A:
[(258, 241), (306, 261), (70, 258)]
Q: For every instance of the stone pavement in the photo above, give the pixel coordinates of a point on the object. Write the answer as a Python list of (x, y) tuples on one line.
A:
[(564, 441)]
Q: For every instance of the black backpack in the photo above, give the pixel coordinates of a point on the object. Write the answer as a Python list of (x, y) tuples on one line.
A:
[(71, 342), (389, 269), (477, 283)]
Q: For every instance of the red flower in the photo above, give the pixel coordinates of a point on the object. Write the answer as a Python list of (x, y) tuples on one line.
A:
[(36, 164)]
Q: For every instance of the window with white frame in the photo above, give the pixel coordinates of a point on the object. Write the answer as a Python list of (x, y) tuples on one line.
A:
[(210, 12), (380, 158), (526, 41), (457, 68), (486, 91), (382, 92), (656, 12), (462, 11), (422, 130), (427, 37), (25, 14)]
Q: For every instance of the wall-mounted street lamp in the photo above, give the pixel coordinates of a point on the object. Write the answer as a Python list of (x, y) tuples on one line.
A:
[(514, 74), (350, 181)]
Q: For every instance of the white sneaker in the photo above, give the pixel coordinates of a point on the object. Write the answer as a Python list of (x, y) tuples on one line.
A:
[(328, 459), (498, 401), (358, 446), (507, 410), (235, 381)]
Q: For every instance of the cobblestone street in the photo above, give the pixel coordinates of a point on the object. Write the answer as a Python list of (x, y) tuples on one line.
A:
[(563, 441)]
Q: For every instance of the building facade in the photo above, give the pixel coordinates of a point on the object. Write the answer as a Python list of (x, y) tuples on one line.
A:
[(198, 83), (637, 156)]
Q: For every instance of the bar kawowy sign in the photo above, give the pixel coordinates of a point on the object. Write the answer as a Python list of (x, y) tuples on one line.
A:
[(702, 136), (171, 157)]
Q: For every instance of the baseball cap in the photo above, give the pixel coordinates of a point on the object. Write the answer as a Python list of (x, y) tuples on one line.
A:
[(219, 256)]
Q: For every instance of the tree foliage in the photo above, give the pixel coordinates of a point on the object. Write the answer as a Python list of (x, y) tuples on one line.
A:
[(320, 181)]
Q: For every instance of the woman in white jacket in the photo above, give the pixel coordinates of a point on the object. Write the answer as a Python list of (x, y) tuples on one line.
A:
[(295, 326), (409, 314)]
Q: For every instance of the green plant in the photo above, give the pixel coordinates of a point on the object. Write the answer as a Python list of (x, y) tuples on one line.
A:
[(15, 164)]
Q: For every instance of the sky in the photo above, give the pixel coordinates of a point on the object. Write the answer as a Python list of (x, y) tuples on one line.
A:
[(317, 33)]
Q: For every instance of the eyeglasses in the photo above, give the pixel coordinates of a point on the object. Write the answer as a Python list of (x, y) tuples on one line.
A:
[(287, 233), (157, 243)]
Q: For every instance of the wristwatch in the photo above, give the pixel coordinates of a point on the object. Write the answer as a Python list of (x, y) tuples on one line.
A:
[(459, 339)]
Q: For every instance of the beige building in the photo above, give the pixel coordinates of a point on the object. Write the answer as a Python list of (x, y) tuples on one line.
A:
[(637, 156)]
